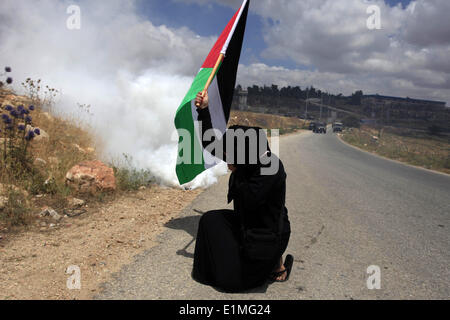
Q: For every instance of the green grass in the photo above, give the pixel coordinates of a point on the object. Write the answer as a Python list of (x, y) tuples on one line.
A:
[(128, 178)]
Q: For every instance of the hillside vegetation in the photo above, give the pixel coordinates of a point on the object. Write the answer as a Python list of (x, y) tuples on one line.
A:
[(420, 149), (37, 150), (267, 121)]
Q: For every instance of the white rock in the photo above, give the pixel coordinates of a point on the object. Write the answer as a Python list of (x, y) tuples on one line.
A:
[(3, 202), (40, 162), (80, 149), (49, 212), (74, 202), (42, 137)]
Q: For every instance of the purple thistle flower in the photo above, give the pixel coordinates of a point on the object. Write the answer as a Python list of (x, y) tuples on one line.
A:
[(6, 119), (21, 127), (31, 108), (9, 80), (37, 131), (8, 108), (8, 69), (14, 114), (20, 108), (28, 119), (23, 111), (30, 135)]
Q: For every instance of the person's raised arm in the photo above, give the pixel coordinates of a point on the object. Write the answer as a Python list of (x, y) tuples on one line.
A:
[(203, 114), (205, 118)]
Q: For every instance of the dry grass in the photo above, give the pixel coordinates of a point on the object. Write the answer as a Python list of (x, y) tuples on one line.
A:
[(67, 145), (33, 264), (267, 121), (421, 150), (61, 145)]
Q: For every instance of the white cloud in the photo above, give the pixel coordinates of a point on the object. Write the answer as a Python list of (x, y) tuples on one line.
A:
[(331, 37), (428, 23)]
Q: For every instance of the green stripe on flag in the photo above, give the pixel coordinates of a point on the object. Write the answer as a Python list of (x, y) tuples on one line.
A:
[(183, 120)]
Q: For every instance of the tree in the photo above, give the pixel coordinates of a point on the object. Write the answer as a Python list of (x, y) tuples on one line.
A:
[(434, 130), (356, 98), (351, 122)]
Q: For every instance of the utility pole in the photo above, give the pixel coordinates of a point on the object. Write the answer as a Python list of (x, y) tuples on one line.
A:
[(321, 105), (306, 112)]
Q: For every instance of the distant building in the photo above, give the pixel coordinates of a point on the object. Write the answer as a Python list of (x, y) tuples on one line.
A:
[(241, 96), (389, 108), (378, 99)]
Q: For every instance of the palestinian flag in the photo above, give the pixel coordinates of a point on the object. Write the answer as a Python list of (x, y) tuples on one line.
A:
[(220, 92)]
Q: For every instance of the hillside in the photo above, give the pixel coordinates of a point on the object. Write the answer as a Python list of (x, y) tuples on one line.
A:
[(267, 121)]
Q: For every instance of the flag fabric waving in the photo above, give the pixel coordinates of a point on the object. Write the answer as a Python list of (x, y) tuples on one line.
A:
[(192, 158)]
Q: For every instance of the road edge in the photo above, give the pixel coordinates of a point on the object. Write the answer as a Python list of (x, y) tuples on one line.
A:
[(392, 160)]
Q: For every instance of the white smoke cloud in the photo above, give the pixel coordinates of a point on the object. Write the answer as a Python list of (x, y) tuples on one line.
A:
[(133, 74)]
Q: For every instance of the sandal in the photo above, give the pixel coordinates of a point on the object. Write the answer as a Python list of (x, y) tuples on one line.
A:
[(288, 262)]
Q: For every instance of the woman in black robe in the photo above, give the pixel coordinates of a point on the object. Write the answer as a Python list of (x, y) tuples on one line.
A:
[(259, 203)]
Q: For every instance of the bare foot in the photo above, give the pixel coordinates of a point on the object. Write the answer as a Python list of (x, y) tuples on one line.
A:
[(280, 269)]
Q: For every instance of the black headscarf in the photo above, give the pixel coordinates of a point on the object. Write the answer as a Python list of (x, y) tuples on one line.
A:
[(247, 149)]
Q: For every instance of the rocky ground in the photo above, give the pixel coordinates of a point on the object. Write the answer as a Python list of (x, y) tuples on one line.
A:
[(99, 241)]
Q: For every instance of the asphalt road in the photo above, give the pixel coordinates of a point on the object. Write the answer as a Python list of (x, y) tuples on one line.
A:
[(348, 210)]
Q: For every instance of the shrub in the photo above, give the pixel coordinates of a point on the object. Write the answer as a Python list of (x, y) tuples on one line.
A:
[(434, 130), (40, 96), (15, 212), (129, 178), (16, 134)]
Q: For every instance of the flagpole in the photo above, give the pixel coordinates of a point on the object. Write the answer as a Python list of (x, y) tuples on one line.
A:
[(211, 77)]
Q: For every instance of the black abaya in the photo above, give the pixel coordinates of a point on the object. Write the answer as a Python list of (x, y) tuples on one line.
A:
[(259, 202), (218, 260)]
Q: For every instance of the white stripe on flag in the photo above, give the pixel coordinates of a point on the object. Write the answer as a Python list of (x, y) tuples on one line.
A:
[(230, 35), (218, 120)]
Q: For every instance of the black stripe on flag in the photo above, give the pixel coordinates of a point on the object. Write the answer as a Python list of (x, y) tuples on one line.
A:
[(226, 76)]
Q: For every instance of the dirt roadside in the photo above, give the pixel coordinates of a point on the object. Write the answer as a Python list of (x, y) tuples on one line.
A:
[(33, 264)]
